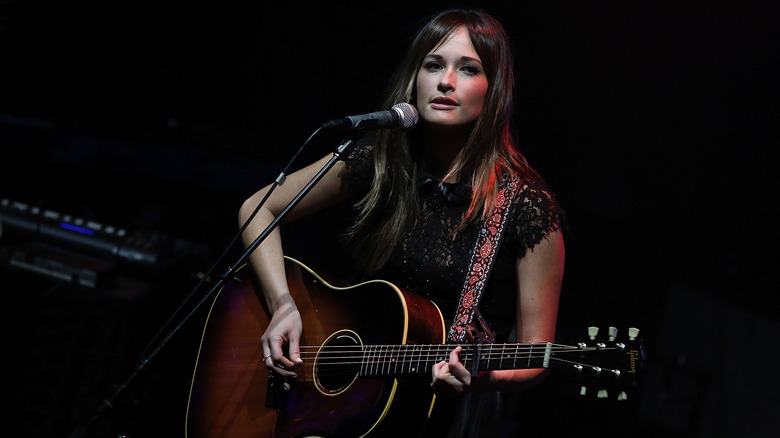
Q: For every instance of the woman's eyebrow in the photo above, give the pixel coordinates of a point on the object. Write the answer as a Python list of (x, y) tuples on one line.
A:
[(462, 58)]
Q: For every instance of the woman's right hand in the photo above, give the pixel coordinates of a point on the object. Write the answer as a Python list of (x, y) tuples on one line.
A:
[(283, 333)]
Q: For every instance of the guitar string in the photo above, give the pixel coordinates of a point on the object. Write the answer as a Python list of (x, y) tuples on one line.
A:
[(339, 360), (376, 369), (394, 351), (536, 346)]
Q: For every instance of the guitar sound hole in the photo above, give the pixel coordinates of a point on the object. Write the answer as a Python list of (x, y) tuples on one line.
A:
[(338, 363)]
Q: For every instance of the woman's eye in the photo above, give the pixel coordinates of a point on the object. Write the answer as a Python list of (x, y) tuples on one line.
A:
[(432, 65), (470, 69)]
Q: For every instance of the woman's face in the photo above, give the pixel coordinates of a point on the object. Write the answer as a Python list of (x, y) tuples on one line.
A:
[(451, 82)]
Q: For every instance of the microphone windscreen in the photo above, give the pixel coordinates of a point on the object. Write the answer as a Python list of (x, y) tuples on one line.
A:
[(408, 113)]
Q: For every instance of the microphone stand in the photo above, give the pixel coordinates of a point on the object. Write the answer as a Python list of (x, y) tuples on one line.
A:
[(228, 276)]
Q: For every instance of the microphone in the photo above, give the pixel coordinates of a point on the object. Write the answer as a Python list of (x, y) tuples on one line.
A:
[(401, 115)]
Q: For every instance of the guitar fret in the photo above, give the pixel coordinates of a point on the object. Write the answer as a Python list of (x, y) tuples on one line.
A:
[(366, 359), (369, 361), (375, 361), (392, 362), (374, 357), (383, 363), (364, 362), (362, 371), (398, 361), (442, 353), (382, 360)]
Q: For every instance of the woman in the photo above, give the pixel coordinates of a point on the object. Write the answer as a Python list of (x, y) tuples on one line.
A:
[(421, 198)]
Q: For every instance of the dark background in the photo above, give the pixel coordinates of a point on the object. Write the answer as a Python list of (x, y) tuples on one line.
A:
[(654, 122)]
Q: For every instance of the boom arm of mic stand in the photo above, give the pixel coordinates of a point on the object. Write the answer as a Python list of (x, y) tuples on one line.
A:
[(345, 147), (229, 275)]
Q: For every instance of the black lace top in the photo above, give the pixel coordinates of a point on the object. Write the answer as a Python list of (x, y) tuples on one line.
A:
[(430, 263)]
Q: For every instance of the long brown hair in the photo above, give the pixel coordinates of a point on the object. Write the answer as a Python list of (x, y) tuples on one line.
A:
[(489, 153)]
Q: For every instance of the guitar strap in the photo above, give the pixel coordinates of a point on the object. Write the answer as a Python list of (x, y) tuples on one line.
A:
[(482, 259)]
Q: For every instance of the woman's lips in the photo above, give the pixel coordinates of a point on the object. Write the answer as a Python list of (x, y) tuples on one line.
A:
[(443, 103)]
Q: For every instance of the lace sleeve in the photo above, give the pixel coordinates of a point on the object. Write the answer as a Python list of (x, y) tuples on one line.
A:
[(536, 214)]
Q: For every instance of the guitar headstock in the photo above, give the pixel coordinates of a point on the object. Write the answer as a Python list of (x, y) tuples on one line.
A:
[(604, 364)]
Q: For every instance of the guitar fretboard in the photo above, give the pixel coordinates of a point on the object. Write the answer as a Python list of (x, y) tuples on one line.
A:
[(395, 360)]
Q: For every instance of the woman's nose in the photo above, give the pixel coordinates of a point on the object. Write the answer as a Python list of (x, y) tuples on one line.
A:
[(447, 81)]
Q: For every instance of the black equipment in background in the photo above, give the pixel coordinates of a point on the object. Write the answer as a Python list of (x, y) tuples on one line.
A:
[(74, 249)]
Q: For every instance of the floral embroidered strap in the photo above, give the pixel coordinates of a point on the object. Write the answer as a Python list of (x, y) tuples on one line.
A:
[(481, 263)]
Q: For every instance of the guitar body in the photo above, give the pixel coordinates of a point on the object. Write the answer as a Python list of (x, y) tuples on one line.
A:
[(228, 393), (232, 395)]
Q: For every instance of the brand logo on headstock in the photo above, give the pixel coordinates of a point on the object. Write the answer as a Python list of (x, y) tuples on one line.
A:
[(633, 356)]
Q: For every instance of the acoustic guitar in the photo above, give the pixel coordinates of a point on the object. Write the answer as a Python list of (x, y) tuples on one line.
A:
[(368, 351)]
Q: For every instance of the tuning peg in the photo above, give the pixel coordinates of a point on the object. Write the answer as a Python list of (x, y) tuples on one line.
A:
[(633, 332), (602, 393), (613, 331), (622, 396), (593, 332), (583, 390)]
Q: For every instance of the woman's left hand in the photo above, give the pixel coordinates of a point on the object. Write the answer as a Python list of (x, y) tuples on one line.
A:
[(451, 378)]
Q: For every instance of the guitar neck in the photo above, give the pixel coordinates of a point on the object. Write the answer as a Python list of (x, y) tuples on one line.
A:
[(399, 360)]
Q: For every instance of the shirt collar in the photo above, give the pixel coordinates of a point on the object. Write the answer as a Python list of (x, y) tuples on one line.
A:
[(455, 193)]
